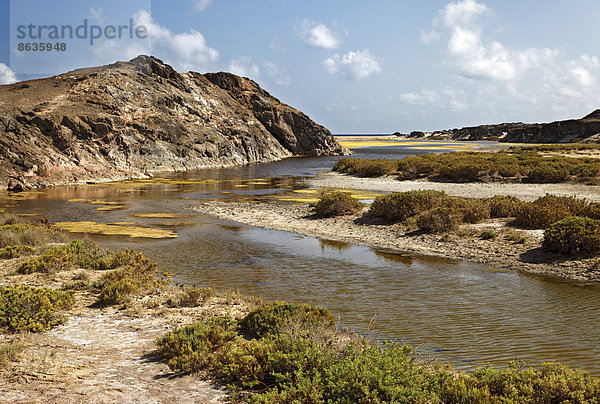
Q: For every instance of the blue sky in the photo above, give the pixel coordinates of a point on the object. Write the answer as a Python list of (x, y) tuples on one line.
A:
[(351, 65)]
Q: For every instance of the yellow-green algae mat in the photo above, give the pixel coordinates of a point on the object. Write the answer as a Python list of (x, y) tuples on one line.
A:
[(114, 229), (311, 195)]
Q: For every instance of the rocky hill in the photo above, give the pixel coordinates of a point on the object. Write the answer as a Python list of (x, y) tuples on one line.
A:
[(586, 129), (130, 119)]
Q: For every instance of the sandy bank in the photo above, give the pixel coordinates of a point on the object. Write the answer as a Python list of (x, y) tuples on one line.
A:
[(526, 192), (464, 245)]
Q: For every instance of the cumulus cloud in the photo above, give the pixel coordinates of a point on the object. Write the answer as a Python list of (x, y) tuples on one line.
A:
[(245, 67), (353, 65), (199, 5), (7, 76), (318, 35)]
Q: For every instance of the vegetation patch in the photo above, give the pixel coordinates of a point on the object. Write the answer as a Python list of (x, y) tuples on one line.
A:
[(10, 351), (18, 251), (514, 165), (365, 167), (281, 364), (30, 309), (549, 209), (77, 254), (439, 220), (337, 203), (138, 276), (574, 235), (399, 206)]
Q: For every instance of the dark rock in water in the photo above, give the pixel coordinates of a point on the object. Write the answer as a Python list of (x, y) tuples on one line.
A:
[(130, 119), (586, 129)]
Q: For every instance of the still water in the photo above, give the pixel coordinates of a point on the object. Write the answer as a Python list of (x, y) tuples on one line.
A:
[(456, 311)]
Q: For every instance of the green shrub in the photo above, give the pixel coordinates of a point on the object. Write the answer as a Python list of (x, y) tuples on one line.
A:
[(337, 203), (549, 209), (365, 167), (11, 252), (31, 234), (76, 254), (25, 308), (399, 206), (504, 206), (548, 173), (573, 235), (516, 238), (271, 318), (475, 211), (592, 211), (140, 275), (192, 348), (488, 235), (439, 220)]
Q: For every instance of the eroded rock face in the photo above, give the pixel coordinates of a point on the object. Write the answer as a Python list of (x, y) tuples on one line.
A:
[(130, 119), (586, 129)]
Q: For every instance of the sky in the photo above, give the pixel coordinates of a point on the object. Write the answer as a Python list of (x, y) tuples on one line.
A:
[(353, 66)]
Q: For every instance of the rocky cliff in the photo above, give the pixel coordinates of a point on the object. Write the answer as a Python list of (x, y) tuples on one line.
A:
[(130, 119), (586, 129)]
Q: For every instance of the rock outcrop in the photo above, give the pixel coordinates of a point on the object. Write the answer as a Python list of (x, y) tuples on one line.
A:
[(586, 129), (130, 119)]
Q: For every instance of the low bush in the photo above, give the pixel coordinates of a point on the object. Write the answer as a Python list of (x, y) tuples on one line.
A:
[(77, 254), (365, 167), (399, 206), (504, 206), (140, 275), (475, 211), (32, 234), (271, 318), (285, 367), (549, 209), (439, 220), (337, 203), (548, 173), (18, 251), (574, 235), (516, 238), (30, 309)]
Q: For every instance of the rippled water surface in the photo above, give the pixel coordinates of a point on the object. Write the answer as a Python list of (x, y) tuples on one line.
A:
[(458, 311)]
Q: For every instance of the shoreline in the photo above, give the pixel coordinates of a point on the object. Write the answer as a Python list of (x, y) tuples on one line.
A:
[(526, 192), (528, 258)]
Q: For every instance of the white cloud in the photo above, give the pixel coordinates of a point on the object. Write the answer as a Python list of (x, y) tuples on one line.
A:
[(199, 5), (461, 13), (97, 14), (353, 65), (277, 73), (7, 76), (245, 67), (319, 35), (186, 50), (431, 36), (422, 97)]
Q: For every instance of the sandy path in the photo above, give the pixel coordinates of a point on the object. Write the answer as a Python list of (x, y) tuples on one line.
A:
[(101, 357), (497, 253), (526, 192)]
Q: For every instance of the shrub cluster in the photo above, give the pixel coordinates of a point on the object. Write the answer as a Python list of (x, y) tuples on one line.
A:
[(573, 235), (337, 203), (365, 167), (521, 165), (282, 365), (399, 206), (139, 275), (76, 254), (549, 209), (32, 234), (30, 309), (11, 252)]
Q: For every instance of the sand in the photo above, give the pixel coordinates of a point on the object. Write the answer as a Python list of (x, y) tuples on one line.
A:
[(527, 192)]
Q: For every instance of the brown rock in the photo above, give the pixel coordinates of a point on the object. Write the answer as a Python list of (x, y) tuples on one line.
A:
[(131, 119)]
